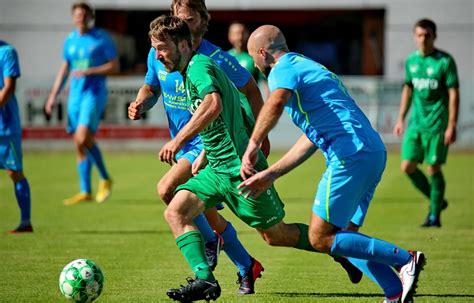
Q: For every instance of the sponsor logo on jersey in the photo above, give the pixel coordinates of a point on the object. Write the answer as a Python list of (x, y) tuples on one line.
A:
[(424, 83), (162, 75)]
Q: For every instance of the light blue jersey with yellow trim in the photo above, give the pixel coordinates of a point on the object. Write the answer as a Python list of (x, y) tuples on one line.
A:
[(90, 49), (322, 108)]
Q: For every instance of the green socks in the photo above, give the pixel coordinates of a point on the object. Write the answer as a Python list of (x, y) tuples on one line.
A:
[(438, 186), (303, 241), (420, 181), (191, 245), (435, 191)]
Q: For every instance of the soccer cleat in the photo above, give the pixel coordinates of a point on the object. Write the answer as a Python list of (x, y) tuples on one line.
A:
[(434, 222), (213, 249), (22, 229), (247, 282), (196, 289), (104, 191), (355, 275), (394, 299), (430, 222), (78, 198), (409, 274)]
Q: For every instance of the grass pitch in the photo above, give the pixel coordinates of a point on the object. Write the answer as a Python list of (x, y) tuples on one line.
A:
[(128, 237)]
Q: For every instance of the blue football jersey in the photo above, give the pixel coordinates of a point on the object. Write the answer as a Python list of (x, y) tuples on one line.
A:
[(322, 108), (90, 49), (10, 68)]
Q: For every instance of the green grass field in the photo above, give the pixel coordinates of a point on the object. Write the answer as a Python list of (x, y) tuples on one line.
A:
[(128, 237)]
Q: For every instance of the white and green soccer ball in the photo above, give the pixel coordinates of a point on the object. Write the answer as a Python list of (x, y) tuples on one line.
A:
[(81, 280)]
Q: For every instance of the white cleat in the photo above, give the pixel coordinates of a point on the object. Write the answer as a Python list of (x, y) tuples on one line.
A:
[(409, 274)]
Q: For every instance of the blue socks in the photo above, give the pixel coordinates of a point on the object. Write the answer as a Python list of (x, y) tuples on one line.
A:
[(235, 250), (206, 230), (356, 245), (22, 193), (383, 275), (84, 170), (96, 155)]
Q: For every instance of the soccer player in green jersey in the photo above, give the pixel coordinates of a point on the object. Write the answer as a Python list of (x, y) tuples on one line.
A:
[(431, 85), (217, 117), (238, 35)]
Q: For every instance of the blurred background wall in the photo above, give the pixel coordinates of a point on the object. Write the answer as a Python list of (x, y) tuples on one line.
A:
[(364, 41)]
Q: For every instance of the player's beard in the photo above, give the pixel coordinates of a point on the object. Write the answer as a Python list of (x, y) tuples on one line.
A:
[(172, 65)]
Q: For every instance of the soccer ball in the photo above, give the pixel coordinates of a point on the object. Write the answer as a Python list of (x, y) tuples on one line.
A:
[(81, 280)]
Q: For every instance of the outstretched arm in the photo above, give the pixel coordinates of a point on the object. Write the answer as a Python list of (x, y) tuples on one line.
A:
[(268, 117), (261, 181), (208, 111)]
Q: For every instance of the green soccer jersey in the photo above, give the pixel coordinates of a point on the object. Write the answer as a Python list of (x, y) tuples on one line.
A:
[(430, 77), (226, 138)]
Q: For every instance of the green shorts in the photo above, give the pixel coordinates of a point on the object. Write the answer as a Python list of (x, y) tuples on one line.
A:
[(213, 188), (426, 148)]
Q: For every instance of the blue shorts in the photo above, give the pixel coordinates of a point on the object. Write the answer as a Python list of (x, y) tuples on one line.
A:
[(347, 187), (11, 157), (189, 152), (87, 111)]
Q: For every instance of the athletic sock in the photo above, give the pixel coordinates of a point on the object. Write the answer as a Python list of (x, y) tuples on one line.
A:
[(356, 245), (22, 193), (191, 245), (420, 181), (235, 250), (206, 230), (99, 161), (438, 186), (383, 275), (303, 241), (84, 169)]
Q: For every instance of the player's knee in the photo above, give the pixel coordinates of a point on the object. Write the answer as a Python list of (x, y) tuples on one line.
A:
[(165, 191), (172, 216), (15, 176), (433, 169), (319, 242)]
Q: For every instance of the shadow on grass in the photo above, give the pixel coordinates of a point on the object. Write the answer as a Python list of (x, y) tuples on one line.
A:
[(361, 295)]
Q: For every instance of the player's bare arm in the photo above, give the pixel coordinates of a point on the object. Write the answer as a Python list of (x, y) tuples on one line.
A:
[(450, 134), (252, 92), (208, 111), (266, 120), (146, 98), (299, 152), (7, 90), (59, 82), (405, 103), (109, 68)]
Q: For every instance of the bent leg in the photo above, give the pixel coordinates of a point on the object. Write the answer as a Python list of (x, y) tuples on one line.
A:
[(179, 214)]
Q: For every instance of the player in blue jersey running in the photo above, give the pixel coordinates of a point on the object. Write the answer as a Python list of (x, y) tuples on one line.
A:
[(10, 134), (190, 158), (89, 55), (321, 107)]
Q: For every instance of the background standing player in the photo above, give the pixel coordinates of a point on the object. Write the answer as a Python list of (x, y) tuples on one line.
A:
[(431, 85), (89, 55), (11, 158)]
